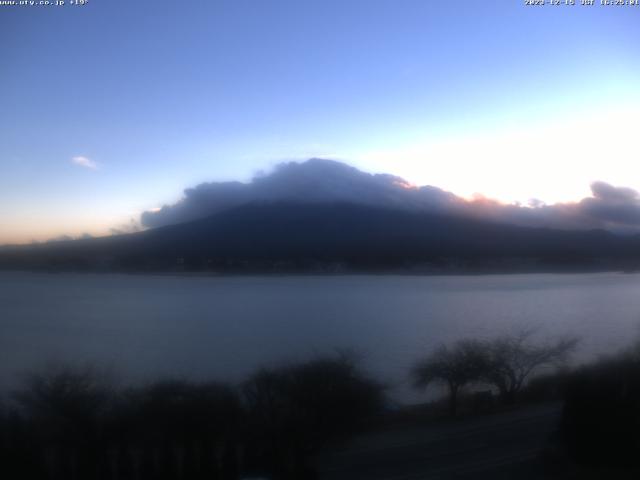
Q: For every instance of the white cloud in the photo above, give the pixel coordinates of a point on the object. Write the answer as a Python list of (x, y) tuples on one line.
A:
[(555, 160), (85, 162)]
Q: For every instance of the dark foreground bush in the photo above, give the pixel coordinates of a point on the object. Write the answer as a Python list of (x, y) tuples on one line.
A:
[(294, 411), (70, 425), (175, 429), (601, 417)]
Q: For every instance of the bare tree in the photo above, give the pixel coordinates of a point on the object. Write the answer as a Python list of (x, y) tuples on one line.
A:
[(463, 363), (511, 359)]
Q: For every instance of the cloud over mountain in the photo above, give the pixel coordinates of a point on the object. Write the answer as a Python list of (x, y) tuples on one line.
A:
[(314, 181), (318, 181)]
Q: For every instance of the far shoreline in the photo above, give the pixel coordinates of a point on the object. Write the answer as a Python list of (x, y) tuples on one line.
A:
[(350, 273)]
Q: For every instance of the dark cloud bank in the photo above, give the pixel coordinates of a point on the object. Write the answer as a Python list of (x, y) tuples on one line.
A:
[(318, 181)]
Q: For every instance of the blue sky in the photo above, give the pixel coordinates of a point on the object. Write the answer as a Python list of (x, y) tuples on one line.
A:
[(155, 96)]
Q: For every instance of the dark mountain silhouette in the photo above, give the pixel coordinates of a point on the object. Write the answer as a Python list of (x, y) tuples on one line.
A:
[(282, 237)]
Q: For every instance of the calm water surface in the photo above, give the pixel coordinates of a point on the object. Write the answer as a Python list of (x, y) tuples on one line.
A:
[(225, 327)]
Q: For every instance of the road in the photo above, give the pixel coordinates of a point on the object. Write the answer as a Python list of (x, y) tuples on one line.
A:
[(498, 446)]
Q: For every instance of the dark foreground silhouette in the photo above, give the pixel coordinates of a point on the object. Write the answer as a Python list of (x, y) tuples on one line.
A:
[(326, 419), (601, 417), (69, 425), (578, 423)]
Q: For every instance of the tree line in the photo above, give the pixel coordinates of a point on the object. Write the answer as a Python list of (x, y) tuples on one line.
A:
[(69, 424), (73, 424)]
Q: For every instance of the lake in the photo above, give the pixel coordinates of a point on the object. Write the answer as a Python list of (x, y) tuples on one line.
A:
[(201, 327)]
